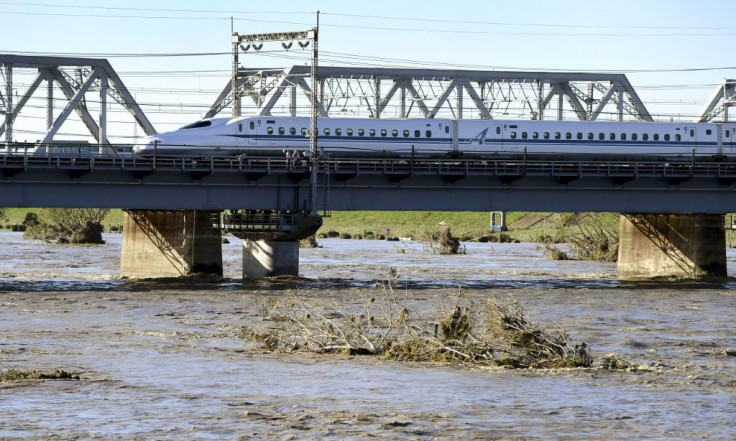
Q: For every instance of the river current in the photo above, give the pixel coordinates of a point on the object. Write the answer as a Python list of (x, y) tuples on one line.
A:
[(162, 359)]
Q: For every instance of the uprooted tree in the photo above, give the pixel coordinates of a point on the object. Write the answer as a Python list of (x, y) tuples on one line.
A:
[(487, 333), (443, 242), (70, 225), (589, 238)]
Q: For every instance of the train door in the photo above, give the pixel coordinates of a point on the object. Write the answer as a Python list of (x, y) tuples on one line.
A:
[(454, 136), (728, 135), (252, 132), (498, 137), (691, 137)]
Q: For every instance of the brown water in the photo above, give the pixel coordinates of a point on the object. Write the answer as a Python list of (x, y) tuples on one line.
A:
[(163, 359)]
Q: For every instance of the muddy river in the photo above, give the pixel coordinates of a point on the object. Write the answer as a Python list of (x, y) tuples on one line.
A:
[(165, 360)]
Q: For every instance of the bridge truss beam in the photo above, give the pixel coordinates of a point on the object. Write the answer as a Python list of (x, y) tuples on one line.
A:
[(717, 106), (429, 93), (75, 77)]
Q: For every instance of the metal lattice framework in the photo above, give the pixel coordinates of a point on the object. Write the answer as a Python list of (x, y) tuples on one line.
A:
[(75, 77), (429, 93), (722, 98)]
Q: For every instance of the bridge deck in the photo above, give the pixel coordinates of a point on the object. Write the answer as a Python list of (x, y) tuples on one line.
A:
[(559, 184)]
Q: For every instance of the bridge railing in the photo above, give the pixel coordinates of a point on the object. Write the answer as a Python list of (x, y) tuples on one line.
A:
[(345, 168)]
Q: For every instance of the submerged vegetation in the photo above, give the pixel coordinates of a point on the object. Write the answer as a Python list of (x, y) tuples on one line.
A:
[(443, 242), (21, 375), (68, 225), (488, 333), (590, 237)]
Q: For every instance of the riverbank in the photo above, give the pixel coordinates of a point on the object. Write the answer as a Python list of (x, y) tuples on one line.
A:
[(524, 226)]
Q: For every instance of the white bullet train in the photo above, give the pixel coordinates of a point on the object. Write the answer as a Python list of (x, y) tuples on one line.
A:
[(362, 137)]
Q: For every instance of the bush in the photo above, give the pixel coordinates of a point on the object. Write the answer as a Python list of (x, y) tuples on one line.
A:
[(332, 234), (72, 226), (345, 236), (309, 242), (444, 242)]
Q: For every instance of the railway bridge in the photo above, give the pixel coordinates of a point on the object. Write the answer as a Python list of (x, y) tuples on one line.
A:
[(175, 204), (674, 225)]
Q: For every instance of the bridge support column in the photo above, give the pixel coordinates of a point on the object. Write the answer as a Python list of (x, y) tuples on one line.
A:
[(691, 246), (264, 258), (170, 244)]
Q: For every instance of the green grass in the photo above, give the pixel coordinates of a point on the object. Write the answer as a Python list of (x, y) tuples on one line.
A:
[(414, 223), (525, 226)]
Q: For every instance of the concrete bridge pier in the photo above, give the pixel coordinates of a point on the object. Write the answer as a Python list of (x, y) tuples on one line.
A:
[(266, 258), (271, 240), (689, 246), (170, 244)]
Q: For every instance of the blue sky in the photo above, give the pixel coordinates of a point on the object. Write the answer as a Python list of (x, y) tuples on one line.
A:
[(674, 52)]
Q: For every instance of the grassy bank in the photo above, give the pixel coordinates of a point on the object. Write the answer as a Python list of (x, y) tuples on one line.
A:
[(525, 226)]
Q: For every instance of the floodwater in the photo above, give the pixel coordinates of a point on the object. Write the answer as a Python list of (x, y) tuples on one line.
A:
[(164, 360)]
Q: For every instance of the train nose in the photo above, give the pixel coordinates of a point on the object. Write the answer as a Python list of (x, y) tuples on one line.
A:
[(146, 146)]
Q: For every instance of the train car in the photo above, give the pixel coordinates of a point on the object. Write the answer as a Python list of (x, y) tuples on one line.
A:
[(258, 135)]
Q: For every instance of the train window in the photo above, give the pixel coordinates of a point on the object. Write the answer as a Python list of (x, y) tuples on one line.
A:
[(240, 127), (634, 136), (327, 131), (656, 136), (678, 137), (498, 130), (557, 135), (623, 137), (428, 133), (349, 132), (546, 135), (304, 131), (612, 136), (579, 135), (383, 132), (252, 125), (728, 133), (198, 125), (372, 132), (708, 131), (292, 130), (645, 137), (591, 136), (601, 136), (417, 133), (338, 132), (447, 129), (282, 130), (406, 133), (394, 132), (513, 135), (361, 132), (692, 132), (568, 135), (269, 130), (535, 135), (523, 135), (666, 136)]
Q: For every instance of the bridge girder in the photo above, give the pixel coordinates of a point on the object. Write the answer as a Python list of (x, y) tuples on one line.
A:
[(75, 77), (429, 93), (722, 98)]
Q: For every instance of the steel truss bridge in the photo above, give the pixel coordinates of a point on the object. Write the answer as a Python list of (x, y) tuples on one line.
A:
[(75, 78), (366, 92), (559, 185), (426, 93)]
